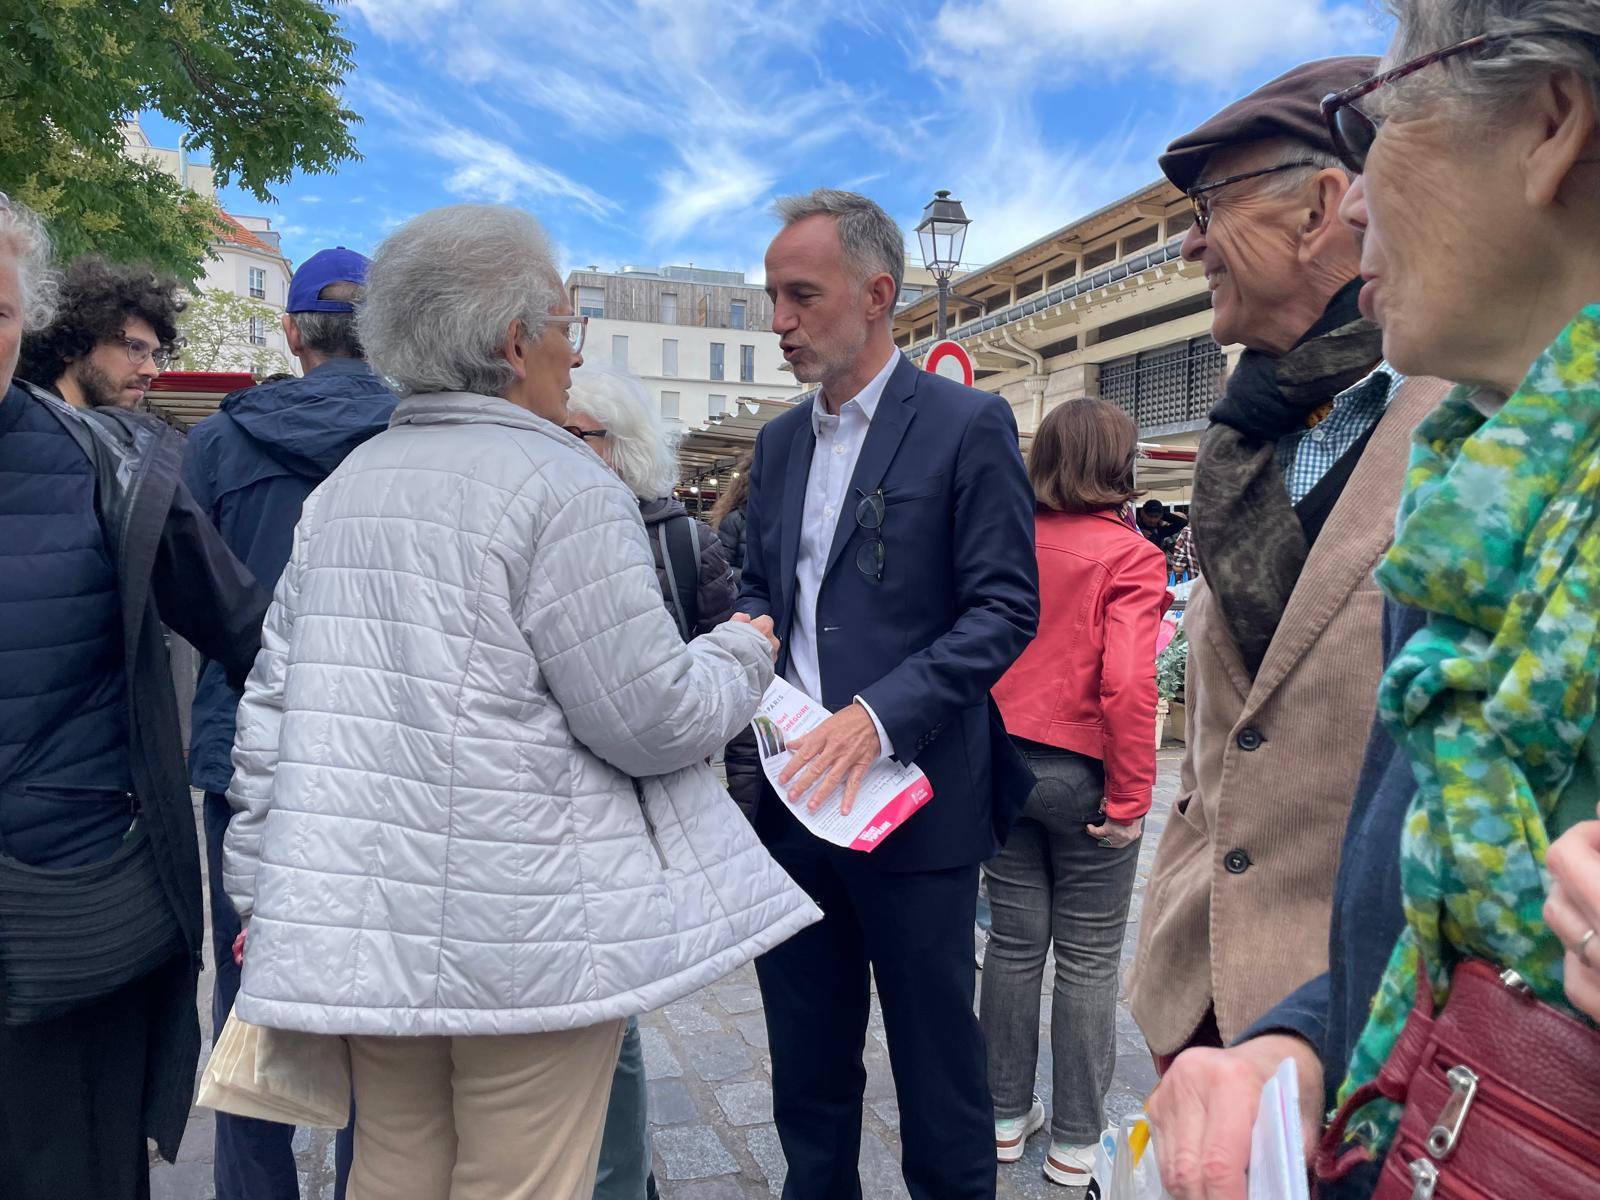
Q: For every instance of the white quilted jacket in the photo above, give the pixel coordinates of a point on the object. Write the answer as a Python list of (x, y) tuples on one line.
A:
[(467, 664)]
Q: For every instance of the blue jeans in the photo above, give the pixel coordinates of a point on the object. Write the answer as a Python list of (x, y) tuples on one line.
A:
[(1053, 882), (625, 1146), (254, 1159)]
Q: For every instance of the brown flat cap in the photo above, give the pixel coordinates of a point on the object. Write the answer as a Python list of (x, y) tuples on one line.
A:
[(1290, 106)]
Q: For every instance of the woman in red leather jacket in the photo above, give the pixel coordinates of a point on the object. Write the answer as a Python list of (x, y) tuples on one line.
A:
[(1081, 705)]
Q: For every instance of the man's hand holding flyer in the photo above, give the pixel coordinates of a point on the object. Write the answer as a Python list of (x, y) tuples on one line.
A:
[(889, 794)]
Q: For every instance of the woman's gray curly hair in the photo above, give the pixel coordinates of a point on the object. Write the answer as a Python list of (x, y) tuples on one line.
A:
[(637, 445), (443, 290), (25, 240), (1484, 84)]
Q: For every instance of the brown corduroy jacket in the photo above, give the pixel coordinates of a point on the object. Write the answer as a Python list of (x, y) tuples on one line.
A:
[(1237, 909)]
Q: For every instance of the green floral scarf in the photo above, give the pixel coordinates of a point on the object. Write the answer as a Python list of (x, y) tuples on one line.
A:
[(1500, 544)]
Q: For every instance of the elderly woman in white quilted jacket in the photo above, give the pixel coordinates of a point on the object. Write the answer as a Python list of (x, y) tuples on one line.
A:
[(474, 827)]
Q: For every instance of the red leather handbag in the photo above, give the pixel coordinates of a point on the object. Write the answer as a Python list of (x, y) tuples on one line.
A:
[(1501, 1095)]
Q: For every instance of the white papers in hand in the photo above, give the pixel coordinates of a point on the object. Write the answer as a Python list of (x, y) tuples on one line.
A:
[(889, 794), (1277, 1144)]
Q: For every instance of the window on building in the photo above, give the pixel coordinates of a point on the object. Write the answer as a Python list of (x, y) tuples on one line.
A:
[(619, 351), (736, 315), (258, 283), (1178, 224), (747, 364), (258, 331), (1029, 286), (591, 302), (669, 308), (1140, 239), (669, 404), (1061, 274), (669, 357), (716, 405), (1100, 257), (717, 365)]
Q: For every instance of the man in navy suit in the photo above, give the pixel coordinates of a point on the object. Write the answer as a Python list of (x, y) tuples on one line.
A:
[(890, 538)]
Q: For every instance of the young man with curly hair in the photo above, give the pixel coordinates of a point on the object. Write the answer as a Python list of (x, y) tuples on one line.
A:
[(113, 334)]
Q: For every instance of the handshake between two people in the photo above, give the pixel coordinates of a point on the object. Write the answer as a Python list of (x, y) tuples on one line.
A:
[(834, 758)]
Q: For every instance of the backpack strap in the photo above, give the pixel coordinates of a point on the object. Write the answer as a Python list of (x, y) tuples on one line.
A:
[(680, 555)]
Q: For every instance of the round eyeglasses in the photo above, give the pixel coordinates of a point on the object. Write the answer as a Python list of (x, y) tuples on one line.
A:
[(141, 352)]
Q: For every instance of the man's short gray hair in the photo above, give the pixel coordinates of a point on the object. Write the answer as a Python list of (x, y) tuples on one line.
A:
[(638, 445), (332, 334), (444, 288), (25, 240), (873, 244), (1486, 84), (1287, 183)]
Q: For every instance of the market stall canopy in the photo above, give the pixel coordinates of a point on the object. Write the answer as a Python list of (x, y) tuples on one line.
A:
[(724, 439), (185, 398)]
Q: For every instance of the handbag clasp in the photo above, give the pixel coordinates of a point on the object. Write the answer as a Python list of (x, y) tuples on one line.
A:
[(1446, 1131), (1426, 1177)]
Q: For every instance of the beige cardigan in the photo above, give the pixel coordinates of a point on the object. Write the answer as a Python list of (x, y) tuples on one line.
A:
[(1237, 910)]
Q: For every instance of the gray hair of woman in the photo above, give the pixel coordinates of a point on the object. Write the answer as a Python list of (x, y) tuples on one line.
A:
[(1546, 36), (25, 241), (637, 445), (443, 291)]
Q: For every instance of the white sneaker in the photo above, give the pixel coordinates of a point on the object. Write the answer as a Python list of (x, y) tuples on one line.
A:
[(1070, 1166), (1010, 1137)]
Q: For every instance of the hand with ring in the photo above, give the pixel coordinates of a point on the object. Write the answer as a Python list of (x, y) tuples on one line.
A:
[(1573, 911), (1114, 835)]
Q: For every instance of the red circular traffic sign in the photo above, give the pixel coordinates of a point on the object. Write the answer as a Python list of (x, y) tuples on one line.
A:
[(950, 360)]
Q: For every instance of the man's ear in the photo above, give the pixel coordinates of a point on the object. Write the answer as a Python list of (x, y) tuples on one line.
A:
[(881, 294), (1321, 221), (291, 334)]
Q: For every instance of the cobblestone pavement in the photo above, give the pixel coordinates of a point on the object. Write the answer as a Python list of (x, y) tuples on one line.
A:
[(711, 1091)]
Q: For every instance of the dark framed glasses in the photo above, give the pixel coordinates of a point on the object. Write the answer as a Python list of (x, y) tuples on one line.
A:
[(141, 352), (1353, 131), (1200, 197), (869, 517)]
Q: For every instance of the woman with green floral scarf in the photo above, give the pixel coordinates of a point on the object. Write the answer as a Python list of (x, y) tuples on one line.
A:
[(1479, 200)]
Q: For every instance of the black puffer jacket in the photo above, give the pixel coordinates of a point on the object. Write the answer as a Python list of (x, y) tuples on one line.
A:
[(742, 760), (718, 588)]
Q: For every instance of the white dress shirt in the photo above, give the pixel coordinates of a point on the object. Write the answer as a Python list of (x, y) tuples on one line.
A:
[(828, 497)]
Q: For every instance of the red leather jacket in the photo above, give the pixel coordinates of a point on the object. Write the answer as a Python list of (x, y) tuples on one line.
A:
[(1088, 681)]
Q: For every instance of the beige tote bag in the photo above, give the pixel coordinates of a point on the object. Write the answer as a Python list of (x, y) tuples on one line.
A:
[(278, 1075)]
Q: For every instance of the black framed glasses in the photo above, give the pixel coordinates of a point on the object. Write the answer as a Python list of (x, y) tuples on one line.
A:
[(585, 434), (1354, 131), (869, 517), (141, 352), (1200, 197)]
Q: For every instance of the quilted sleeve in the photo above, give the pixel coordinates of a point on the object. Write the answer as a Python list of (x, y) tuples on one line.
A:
[(631, 690), (255, 745)]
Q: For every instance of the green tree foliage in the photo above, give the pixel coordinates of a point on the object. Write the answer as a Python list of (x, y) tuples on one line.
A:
[(216, 335), (257, 82)]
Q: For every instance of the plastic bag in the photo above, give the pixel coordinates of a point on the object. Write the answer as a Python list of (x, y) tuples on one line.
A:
[(1124, 1166), (278, 1075)]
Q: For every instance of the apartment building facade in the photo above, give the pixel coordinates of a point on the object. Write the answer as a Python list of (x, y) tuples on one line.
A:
[(701, 340)]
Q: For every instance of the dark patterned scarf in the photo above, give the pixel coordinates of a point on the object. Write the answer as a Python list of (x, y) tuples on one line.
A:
[(1251, 542)]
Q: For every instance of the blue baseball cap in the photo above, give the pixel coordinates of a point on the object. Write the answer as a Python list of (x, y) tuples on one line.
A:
[(317, 272)]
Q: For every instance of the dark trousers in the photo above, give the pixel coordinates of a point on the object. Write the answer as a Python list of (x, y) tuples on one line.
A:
[(912, 933), (254, 1159)]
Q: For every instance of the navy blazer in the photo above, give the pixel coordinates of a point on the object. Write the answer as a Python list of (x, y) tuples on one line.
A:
[(958, 602)]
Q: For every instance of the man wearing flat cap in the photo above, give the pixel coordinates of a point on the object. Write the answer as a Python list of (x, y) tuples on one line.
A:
[(1295, 492), (251, 466)]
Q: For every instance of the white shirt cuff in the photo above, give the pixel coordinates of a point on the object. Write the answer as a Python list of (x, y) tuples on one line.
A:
[(885, 750)]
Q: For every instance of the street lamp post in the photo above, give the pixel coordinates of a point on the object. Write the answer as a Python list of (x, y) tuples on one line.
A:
[(942, 233)]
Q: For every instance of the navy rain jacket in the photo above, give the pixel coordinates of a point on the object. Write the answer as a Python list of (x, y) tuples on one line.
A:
[(251, 467)]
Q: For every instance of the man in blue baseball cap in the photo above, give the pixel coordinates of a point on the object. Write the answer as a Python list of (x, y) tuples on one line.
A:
[(251, 466)]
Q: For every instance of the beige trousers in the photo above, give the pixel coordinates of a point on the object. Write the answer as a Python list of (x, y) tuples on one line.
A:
[(481, 1118)]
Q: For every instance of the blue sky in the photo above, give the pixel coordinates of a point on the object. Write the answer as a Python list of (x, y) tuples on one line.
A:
[(657, 131)]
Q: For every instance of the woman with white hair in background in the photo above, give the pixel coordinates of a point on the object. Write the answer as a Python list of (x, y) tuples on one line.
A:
[(475, 829), (613, 413), (1456, 1030)]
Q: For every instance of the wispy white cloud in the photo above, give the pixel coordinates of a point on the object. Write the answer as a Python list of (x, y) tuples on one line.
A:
[(485, 169), (1176, 39)]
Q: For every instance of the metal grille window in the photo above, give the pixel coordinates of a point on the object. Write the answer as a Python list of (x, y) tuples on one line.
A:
[(1170, 385), (258, 283), (591, 302), (718, 354), (258, 331), (747, 364)]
